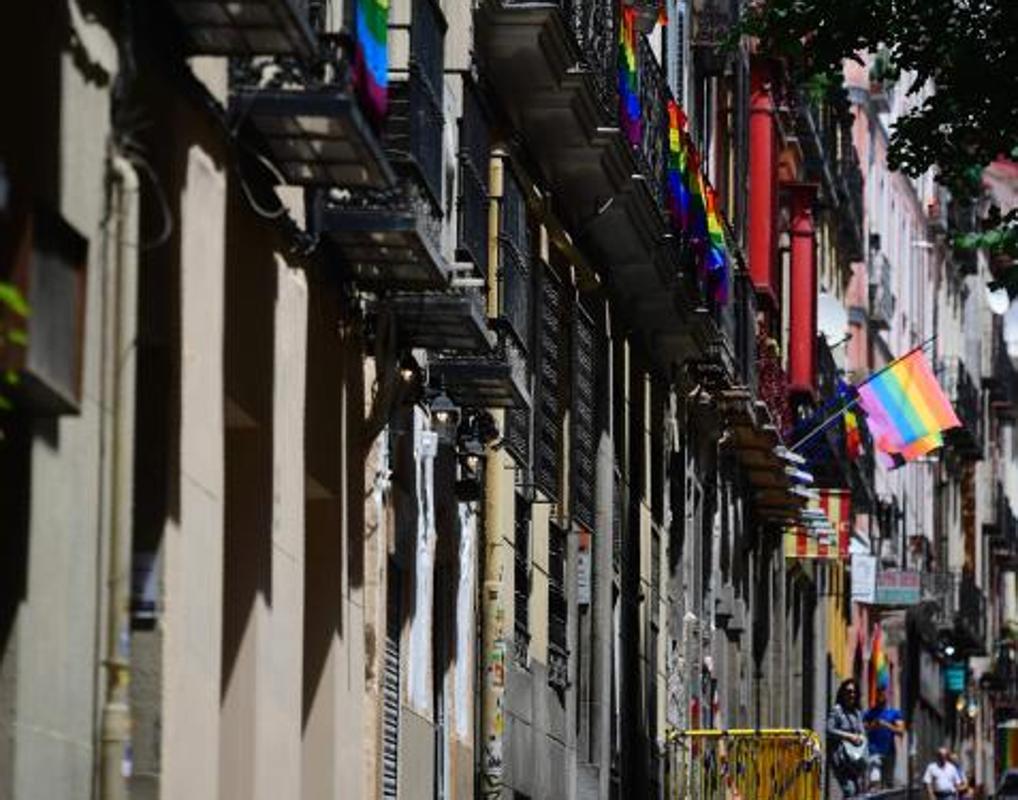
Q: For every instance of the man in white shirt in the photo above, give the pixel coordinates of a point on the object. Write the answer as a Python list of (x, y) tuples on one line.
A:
[(942, 778)]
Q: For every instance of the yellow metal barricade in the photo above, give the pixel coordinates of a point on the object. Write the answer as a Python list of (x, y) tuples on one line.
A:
[(767, 764)]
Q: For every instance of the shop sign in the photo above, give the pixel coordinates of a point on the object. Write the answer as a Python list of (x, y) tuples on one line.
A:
[(583, 569), (897, 587), (954, 678), (864, 578)]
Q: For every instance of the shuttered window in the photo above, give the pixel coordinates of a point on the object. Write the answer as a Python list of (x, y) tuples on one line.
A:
[(521, 582), (548, 363), (558, 608), (584, 422)]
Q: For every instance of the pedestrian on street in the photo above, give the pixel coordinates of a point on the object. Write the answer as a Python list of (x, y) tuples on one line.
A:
[(942, 779), (884, 725), (965, 790), (846, 741)]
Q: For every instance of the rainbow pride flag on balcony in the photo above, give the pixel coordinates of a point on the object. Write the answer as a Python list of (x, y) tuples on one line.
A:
[(906, 409), (629, 86), (371, 57)]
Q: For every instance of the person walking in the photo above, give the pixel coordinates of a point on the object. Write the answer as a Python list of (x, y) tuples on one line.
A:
[(846, 741), (884, 725), (941, 778)]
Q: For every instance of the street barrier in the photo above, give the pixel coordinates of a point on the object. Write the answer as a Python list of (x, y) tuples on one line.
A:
[(765, 764)]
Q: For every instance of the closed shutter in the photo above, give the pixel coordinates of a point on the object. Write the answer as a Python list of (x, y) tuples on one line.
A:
[(548, 365), (585, 425), (390, 694)]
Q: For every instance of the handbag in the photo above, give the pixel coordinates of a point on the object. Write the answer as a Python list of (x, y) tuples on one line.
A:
[(855, 754)]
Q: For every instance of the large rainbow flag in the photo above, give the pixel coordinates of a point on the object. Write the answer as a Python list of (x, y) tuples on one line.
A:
[(371, 57), (906, 409)]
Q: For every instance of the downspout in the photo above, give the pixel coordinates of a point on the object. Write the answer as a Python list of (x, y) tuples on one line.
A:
[(115, 758)]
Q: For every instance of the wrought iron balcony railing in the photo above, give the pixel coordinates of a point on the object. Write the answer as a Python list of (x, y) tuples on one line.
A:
[(1003, 382), (960, 612), (882, 300), (964, 396)]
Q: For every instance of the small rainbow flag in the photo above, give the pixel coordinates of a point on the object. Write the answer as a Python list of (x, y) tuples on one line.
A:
[(629, 88), (371, 57), (880, 672), (906, 409)]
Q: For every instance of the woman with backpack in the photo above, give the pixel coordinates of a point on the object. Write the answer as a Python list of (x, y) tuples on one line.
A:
[(846, 741)]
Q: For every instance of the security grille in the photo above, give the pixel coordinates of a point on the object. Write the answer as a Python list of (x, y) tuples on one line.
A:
[(521, 583), (427, 38), (548, 367), (515, 255), (472, 237), (584, 420), (558, 608), (390, 694), (514, 293)]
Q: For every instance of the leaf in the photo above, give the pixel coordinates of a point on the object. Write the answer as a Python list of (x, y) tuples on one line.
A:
[(18, 337), (12, 298), (5, 404)]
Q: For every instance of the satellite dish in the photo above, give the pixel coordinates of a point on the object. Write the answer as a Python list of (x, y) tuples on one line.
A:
[(997, 300), (832, 319)]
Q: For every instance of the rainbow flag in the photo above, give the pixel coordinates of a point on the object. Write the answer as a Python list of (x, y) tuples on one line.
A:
[(906, 409), (371, 57), (629, 88), (717, 253), (880, 671), (678, 191), (1007, 745)]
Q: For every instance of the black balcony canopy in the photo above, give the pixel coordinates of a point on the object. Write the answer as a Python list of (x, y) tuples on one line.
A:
[(246, 27), (314, 136)]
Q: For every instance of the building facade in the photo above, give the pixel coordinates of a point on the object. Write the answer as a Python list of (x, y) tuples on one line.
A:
[(424, 399)]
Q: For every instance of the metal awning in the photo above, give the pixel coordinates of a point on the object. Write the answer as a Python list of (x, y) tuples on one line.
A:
[(246, 27), (315, 137)]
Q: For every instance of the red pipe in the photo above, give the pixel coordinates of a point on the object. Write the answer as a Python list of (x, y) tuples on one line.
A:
[(802, 312), (763, 184)]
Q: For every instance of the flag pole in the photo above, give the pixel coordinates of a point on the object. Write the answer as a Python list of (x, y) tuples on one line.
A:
[(855, 400)]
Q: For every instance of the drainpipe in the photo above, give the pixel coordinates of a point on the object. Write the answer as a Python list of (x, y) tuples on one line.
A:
[(121, 260)]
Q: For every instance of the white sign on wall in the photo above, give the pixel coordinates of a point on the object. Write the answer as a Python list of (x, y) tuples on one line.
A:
[(864, 578)]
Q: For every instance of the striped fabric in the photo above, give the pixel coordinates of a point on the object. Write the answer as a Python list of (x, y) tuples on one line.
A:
[(830, 542), (906, 408)]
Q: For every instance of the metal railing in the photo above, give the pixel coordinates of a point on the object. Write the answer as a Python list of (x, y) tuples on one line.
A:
[(882, 300), (760, 764)]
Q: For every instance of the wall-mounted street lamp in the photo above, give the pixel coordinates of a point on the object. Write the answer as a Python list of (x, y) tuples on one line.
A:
[(445, 417)]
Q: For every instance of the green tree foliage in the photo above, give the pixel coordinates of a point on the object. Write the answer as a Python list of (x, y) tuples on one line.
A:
[(13, 311), (967, 48)]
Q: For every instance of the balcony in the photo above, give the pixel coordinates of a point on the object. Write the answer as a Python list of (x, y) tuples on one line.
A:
[(391, 238), (1003, 383), (312, 133), (882, 301), (246, 27), (964, 396), (443, 321), (849, 181), (499, 378), (554, 66), (1003, 532), (960, 615)]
